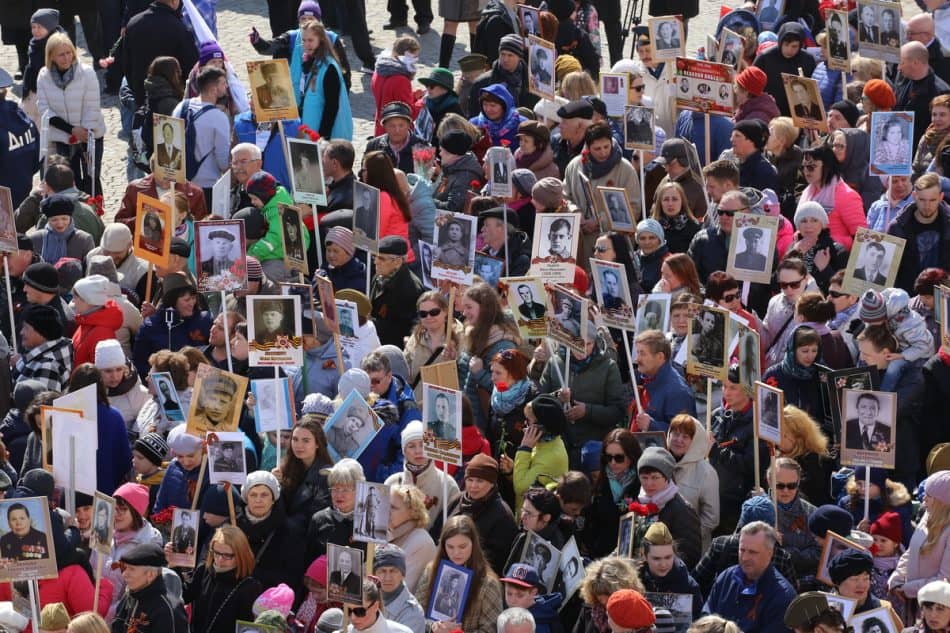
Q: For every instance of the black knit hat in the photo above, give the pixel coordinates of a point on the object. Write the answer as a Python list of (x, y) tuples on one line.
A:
[(456, 142), (42, 277), (45, 320), (153, 447), (550, 414), (180, 247)]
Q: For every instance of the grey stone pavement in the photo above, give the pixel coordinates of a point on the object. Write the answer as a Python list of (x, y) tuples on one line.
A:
[(235, 19)]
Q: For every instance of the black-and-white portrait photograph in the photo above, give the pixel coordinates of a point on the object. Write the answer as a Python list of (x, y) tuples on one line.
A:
[(770, 403), (103, 513), (500, 165), (612, 292), (442, 416), (226, 459), (649, 439), (307, 171), (845, 606), (272, 93), (220, 255), (571, 567), (292, 239), (170, 406), (653, 312), (838, 44), (618, 208), (750, 358), (530, 20), (892, 134), (528, 305), (527, 300), (425, 261), (365, 216), (554, 247), (625, 535), (768, 13), (890, 27), (667, 37), (489, 268), (880, 620), (349, 318), (344, 574), (274, 329), (731, 47), (543, 556), (874, 261), (541, 56), (453, 258), (752, 247), (450, 593), (184, 537), (706, 343), (751, 253), (680, 606), (804, 99), (273, 319), (639, 128), (869, 429), (869, 29), (569, 316), (216, 401), (371, 516), (351, 428)]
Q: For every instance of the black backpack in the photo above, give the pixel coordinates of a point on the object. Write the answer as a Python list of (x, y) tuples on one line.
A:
[(141, 140), (192, 162)]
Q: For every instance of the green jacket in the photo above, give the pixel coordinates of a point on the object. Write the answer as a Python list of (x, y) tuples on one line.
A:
[(547, 461), (270, 246)]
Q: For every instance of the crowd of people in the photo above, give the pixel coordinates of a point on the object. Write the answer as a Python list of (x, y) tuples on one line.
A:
[(597, 480)]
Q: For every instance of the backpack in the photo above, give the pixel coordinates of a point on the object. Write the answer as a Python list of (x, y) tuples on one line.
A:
[(192, 162)]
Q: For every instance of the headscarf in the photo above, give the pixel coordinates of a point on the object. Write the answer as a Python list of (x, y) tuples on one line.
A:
[(792, 367)]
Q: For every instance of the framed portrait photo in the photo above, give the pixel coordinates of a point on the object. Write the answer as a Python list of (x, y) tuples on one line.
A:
[(680, 606), (489, 269), (169, 401), (292, 239), (834, 545), (653, 311), (554, 247), (273, 404), (184, 537), (646, 439), (345, 574), (838, 44), (748, 350), (220, 255), (833, 382), (26, 546), (450, 592), (453, 258), (639, 130), (8, 241), (879, 30), (306, 172), (769, 411), (874, 261), (612, 292), (844, 606), (730, 49), (706, 351), (328, 302), (666, 33), (371, 516), (103, 515), (892, 136), (703, 86), (152, 237), (869, 432), (365, 216), (620, 211), (541, 56), (47, 420), (804, 100), (274, 330), (567, 320), (571, 567), (614, 92), (530, 19), (625, 535), (168, 134), (528, 301), (272, 93), (349, 319), (351, 428), (768, 12), (543, 556), (226, 459), (500, 165), (217, 399), (752, 247), (880, 620), (442, 414)]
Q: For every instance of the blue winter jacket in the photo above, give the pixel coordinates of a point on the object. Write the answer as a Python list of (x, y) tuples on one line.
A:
[(505, 130), (173, 491), (756, 609), (545, 612), (154, 335), (114, 456), (352, 274), (383, 457), (274, 159), (692, 126), (669, 396)]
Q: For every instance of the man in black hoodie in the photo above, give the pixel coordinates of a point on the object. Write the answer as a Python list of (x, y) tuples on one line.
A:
[(157, 31), (510, 69), (785, 57)]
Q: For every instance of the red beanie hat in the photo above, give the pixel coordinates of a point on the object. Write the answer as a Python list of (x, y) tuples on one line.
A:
[(628, 609), (753, 79), (581, 280), (889, 526), (880, 94)]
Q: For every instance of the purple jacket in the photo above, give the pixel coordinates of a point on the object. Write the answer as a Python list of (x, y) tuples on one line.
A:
[(762, 107)]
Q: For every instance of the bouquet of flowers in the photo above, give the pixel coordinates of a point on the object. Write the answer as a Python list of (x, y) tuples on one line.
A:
[(423, 160)]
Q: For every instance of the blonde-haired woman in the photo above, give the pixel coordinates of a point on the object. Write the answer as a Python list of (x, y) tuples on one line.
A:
[(222, 589), (428, 343), (577, 85), (603, 578), (68, 93), (786, 156), (88, 622), (671, 210), (452, 121), (804, 441), (408, 528), (928, 556)]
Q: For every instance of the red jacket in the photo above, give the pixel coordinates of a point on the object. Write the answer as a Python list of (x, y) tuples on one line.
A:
[(391, 221), (388, 88), (73, 588), (93, 327), (146, 185)]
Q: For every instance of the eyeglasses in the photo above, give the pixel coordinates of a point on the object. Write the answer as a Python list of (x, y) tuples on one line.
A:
[(121, 509), (341, 490), (834, 294), (732, 296), (617, 458), (789, 486), (727, 212), (434, 312), (600, 249), (225, 556), (639, 88), (794, 285)]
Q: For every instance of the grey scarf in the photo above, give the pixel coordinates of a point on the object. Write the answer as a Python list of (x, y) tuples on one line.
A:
[(62, 79)]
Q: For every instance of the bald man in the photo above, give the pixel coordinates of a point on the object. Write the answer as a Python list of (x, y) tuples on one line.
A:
[(917, 84), (920, 28)]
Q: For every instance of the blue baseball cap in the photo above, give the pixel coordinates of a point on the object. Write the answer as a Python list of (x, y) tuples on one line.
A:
[(523, 575)]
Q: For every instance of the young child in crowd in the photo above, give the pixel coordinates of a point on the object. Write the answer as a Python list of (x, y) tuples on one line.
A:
[(523, 588), (892, 308), (148, 455), (887, 532), (316, 602), (180, 484)]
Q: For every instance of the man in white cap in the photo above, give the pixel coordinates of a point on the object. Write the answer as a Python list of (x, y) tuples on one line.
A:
[(117, 244)]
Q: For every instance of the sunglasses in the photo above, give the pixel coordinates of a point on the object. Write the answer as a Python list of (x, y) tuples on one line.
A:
[(794, 285), (434, 312), (600, 249), (789, 486), (809, 166), (727, 212), (360, 612), (617, 458), (732, 296), (834, 294)]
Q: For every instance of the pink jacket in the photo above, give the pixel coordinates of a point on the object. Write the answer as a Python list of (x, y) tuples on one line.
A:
[(914, 569), (391, 221), (847, 214)]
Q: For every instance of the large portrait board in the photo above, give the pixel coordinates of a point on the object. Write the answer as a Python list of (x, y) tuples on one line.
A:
[(804, 101), (639, 131), (220, 255), (769, 411), (226, 459), (216, 402), (703, 86), (275, 331), (748, 351), (680, 606), (152, 238), (869, 433), (892, 135), (442, 411), (527, 300), (666, 33), (292, 231), (345, 574), (612, 291), (26, 544), (168, 133), (541, 56), (103, 526), (752, 247), (768, 12), (169, 402), (453, 258), (351, 428), (571, 567), (653, 311), (834, 545), (371, 517), (184, 537), (272, 93), (879, 29), (706, 351), (620, 210), (838, 44), (543, 556), (567, 319), (874, 261), (306, 171), (554, 248), (450, 592), (833, 383), (8, 241), (614, 92), (366, 216)]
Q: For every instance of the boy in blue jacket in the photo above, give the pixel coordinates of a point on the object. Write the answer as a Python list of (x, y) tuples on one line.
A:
[(523, 589)]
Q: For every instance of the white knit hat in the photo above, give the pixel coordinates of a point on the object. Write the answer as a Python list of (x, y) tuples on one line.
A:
[(413, 431), (94, 290), (109, 354), (261, 478), (811, 209), (10, 619)]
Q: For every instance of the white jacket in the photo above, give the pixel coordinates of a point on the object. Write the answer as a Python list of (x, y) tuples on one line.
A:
[(698, 482), (78, 104)]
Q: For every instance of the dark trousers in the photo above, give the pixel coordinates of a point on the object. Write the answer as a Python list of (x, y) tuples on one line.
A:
[(282, 15), (399, 11), (353, 18), (77, 162), (609, 13)]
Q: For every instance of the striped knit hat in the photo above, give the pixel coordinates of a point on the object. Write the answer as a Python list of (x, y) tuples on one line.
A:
[(262, 185), (342, 237), (872, 311)]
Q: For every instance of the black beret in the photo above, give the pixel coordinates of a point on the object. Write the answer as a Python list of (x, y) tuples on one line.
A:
[(393, 245), (456, 142), (499, 214), (577, 109), (830, 517), (145, 555), (849, 563), (598, 105), (180, 247), (57, 204), (23, 242)]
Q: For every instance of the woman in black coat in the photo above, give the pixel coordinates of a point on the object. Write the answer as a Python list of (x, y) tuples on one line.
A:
[(223, 587), (335, 524), (659, 496), (662, 571), (304, 490), (615, 487), (540, 514)]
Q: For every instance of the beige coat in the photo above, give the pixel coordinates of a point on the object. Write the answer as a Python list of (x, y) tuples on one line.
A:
[(481, 611), (418, 351)]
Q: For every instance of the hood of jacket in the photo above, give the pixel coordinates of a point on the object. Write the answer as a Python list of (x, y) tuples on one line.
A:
[(698, 449), (157, 87), (420, 189), (545, 607), (501, 92), (387, 66), (790, 31), (467, 163), (108, 316)]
